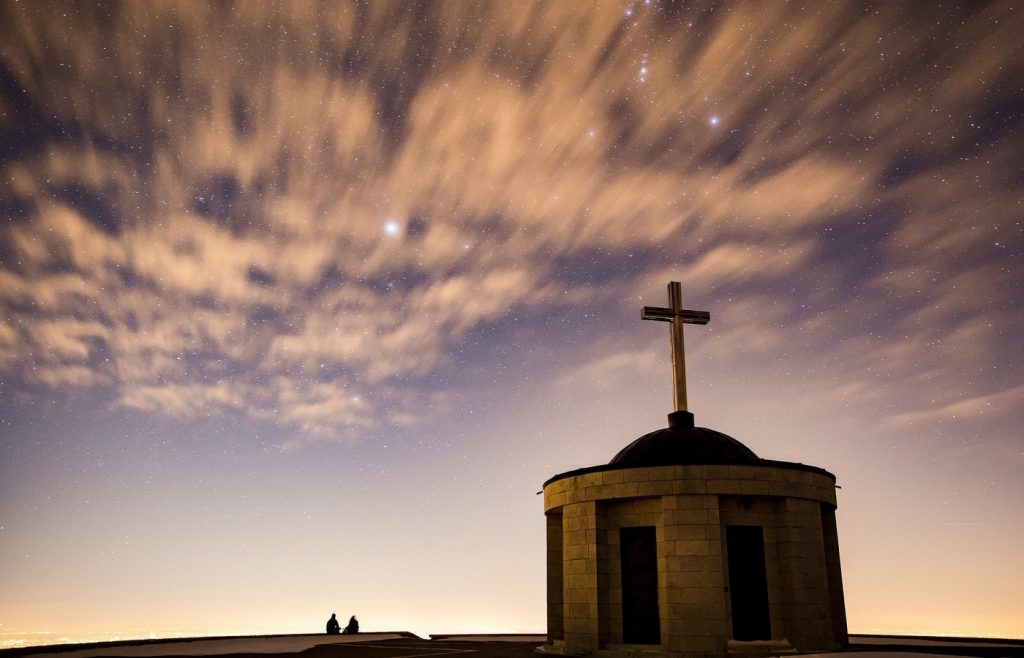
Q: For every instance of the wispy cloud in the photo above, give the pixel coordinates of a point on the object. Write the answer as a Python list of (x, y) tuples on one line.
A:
[(979, 407), (198, 197)]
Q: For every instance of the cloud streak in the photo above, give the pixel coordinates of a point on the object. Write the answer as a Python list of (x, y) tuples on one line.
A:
[(197, 196)]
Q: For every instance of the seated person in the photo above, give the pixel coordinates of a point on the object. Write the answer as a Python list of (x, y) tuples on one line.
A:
[(333, 627), (353, 626)]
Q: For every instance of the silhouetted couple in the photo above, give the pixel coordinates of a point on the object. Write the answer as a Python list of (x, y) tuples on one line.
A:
[(334, 628)]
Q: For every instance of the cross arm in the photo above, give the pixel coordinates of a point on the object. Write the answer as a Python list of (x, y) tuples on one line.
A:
[(668, 315), (657, 313), (695, 317)]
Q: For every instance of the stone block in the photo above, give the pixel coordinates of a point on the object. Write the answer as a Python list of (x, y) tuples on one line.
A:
[(697, 502), (689, 601), (578, 509), (636, 474), (689, 486), (690, 532), (674, 581), (692, 547), (712, 579), (577, 522), (581, 596), (828, 496), (780, 489), (725, 487), (756, 487), (576, 567), (624, 490), (574, 538), (663, 473), (654, 488), (579, 642), (788, 474), (702, 645), (812, 536), (686, 563), (580, 581), (800, 506), (687, 517), (627, 519), (612, 477), (580, 611), (555, 500), (688, 621), (742, 472)]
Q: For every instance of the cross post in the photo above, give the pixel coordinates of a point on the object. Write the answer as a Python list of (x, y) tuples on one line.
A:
[(678, 316)]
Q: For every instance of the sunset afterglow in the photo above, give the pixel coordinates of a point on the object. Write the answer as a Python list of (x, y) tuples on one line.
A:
[(302, 302)]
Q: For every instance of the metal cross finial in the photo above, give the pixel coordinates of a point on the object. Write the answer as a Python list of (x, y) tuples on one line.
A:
[(678, 316)]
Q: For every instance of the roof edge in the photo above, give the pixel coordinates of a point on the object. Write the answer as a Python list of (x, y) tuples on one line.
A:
[(795, 466)]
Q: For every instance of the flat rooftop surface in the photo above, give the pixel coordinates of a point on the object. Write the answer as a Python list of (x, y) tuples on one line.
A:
[(406, 645)]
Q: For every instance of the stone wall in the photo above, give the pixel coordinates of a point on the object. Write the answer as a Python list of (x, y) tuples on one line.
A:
[(690, 506)]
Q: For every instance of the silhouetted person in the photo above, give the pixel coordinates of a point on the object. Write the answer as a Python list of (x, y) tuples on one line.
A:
[(333, 627), (353, 626)]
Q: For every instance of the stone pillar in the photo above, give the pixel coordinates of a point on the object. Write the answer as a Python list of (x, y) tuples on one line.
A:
[(556, 607), (696, 619), (585, 572), (804, 593), (837, 602)]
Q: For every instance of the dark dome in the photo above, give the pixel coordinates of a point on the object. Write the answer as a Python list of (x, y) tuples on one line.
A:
[(680, 444)]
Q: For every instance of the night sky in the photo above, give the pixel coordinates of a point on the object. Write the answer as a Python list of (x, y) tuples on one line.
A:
[(301, 303)]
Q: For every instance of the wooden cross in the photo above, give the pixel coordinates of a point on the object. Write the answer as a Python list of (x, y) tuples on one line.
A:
[(678, 316)]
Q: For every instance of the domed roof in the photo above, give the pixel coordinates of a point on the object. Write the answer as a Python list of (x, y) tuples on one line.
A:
[(681, 444)]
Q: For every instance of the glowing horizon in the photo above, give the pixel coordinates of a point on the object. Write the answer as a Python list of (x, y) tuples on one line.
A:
[(301, 304), (48, 638)]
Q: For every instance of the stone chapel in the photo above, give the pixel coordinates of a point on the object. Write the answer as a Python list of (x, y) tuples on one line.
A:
[(688, 544)]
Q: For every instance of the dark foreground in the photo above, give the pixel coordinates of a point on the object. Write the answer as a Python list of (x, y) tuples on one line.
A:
[(946, 646), (405, 648), (408, 648), (414, 647)]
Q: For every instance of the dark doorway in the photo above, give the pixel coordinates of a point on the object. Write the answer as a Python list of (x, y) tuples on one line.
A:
[(639, 558), (748, 583)]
